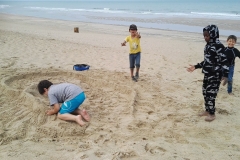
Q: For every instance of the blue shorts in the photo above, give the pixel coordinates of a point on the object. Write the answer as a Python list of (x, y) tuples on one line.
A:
[(134, 60), (72, 105)]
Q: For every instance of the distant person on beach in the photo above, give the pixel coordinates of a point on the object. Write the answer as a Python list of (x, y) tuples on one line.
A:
[(135, 50), (215, 69), (231, 53), (70, 95)]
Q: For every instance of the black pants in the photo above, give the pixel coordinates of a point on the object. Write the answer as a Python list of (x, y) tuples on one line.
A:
[(211, 83)]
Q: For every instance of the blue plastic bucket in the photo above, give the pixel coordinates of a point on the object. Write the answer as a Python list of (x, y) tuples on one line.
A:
[(81, 67)]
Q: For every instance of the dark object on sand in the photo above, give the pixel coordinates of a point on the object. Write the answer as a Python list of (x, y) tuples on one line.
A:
[(76, 30)]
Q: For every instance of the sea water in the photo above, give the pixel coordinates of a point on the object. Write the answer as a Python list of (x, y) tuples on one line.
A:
[(143, 13)]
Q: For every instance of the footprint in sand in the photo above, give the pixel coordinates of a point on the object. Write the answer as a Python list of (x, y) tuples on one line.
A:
[(153, 149), (7, 63)]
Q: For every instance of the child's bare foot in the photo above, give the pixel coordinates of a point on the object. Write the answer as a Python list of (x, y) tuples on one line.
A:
[(79, 120), (204, 113), (210, 117), (231, 94), (85, 115)]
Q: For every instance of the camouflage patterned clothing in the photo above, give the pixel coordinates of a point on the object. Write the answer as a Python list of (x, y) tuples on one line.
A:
[(214, 66)]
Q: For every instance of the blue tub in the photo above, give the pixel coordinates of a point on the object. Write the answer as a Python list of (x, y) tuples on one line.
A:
[(81, 67)]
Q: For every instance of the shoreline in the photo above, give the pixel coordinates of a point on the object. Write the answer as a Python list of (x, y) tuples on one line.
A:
[(189, 25), (192, 25)]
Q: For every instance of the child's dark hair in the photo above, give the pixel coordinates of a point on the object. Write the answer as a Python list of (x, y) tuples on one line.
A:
[(232, 37), (132, 27), (43, 84)]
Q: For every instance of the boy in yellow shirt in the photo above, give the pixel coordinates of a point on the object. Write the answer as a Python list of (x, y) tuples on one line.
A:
[(135, 50)]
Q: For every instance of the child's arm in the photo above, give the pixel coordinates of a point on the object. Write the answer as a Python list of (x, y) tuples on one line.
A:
[(199, 65), (54, 110), (225, 66), (124, 43), (237, 53)]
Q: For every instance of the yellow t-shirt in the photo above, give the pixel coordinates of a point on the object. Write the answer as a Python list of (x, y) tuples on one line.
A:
[(134, 44)]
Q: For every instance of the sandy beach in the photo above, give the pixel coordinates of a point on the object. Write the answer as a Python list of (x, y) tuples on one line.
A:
[(152, 119)]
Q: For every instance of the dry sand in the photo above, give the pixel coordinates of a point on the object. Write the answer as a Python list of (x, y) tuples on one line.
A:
[(153, 119)]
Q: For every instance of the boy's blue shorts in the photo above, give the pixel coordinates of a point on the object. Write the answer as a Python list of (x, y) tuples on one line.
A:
[(134, 60), (72, 105)]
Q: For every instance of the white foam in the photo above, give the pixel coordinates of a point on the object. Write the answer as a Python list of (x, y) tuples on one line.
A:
[(44, 8), (197, 15), (104, 10), (216, 14), (4, 6), (145, 12)]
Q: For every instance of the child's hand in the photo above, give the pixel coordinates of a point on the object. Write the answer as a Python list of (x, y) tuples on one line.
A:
[(49, 112), (191, 68), (224, 80), (123, 44), (138, 35)]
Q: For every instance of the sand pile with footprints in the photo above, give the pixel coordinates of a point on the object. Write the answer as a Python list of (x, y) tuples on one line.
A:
[(155, 118)]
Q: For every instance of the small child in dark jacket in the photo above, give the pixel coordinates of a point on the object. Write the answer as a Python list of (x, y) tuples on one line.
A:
[(231, 54)]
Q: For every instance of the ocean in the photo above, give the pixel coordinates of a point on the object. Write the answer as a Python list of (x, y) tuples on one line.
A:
[(146, 13)]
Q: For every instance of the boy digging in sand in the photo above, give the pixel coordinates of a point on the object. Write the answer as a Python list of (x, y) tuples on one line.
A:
[(214, 67), (70, 95), (135, 50)]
